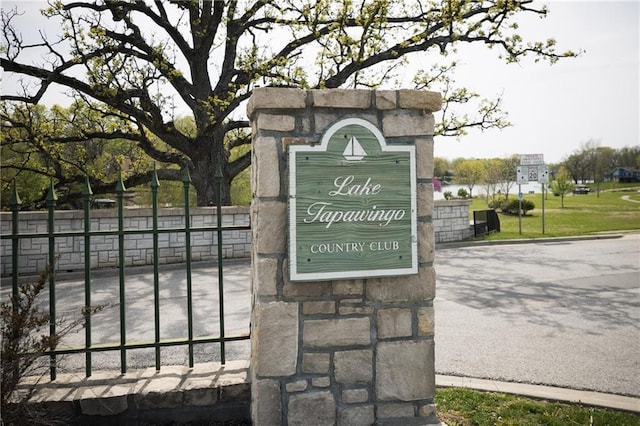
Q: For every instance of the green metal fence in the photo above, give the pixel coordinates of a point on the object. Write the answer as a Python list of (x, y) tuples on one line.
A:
[(123, 346)]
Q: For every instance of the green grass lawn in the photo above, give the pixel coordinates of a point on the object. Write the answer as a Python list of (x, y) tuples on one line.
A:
[(581, 215), (465, 407)]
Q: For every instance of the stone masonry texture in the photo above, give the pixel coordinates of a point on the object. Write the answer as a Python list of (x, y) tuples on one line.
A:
[(33, 252), (344, 352)]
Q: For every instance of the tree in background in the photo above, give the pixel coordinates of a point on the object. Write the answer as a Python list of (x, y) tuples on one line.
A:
[(135, 64), (577, 167), (594, 163), (40, 143), (628, 157), (470, 173), (509, 169), (493, 176), (442, 169), (561, 186)]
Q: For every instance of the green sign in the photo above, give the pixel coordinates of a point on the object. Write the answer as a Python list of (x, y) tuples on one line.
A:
[(352, 205)]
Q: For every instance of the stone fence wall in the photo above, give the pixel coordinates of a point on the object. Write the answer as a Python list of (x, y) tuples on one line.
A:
[(33, 255), (450, 222)]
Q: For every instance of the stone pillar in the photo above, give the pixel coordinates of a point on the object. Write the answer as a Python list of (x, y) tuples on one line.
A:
[(348, 352)]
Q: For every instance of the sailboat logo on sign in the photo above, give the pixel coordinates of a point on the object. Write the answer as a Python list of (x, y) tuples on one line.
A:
[(354, 151)]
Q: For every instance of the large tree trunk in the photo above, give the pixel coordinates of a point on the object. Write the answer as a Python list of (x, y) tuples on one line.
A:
[(206, 186)]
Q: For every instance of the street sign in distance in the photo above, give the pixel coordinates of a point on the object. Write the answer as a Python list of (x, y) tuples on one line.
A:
[(531, 159), (543, 174), (522, 175)]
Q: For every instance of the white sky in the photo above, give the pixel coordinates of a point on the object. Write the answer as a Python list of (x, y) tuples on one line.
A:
[(554, 109)]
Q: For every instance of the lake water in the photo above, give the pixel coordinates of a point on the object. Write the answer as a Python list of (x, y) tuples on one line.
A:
[(478, 190)]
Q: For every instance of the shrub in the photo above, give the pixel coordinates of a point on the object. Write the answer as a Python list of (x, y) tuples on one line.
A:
[(23, 343), (496, 203), (462, 193), (447, 195), (512, 206), (25, 340)]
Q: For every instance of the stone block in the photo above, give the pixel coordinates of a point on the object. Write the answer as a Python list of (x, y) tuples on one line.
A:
[(199, 392), (297, 386), (267, 169), (266, 406), (394, 323), (156, 400), (425, 199), (355, 310), (107, 402), (277, 122), (355, 396), (348, 288), (356, 416), (200, 397), (159, 391), (426, 321), (316, 363), (395, 410), (412, 288), (235, 392), (58, 409), (322, 121), (427, 246), (405, 371), (269, 226), (276, 98), (336, 332), (398, 123), (296, 290), (319, 307), (321, 382), (352, 367), (419, 99), (386, 99), (276, 336), (424, 158), (265, 277), (342, 98), (317, 408), (305, 124)]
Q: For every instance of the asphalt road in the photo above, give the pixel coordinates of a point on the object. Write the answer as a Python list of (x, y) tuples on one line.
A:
[(558, 313)]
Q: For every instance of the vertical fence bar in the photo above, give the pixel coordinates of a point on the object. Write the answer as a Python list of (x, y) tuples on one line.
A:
[(156, 281), (218, 178), (51, 205), (123, 326), (86, 196), (15, 246), (186, 180)]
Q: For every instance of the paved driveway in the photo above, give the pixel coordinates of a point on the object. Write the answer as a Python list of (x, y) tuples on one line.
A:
[(559, 313)]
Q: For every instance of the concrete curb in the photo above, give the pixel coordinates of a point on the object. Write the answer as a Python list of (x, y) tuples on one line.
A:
[(573, 396), (470, 243)]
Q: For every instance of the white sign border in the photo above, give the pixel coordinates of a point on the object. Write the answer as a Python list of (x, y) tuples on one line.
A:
[(294, 275)]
